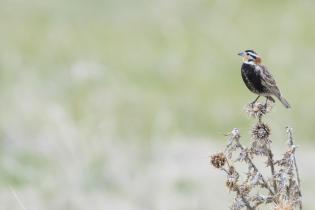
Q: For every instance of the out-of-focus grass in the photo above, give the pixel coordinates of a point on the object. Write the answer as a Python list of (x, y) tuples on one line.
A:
[(81, 78), (175, 59)]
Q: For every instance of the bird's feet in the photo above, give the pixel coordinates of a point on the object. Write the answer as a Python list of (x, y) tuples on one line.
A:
[(266, 104), (253, 103)]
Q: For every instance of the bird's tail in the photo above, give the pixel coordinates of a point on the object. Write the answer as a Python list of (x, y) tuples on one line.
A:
[(284, 101)]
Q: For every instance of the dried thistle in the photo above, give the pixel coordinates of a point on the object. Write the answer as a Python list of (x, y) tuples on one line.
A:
[(261, 132), (257, 110), (260, 135), (283, 204), (218, 160), (282, 187)]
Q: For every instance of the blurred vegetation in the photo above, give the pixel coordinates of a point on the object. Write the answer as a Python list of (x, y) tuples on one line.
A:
[(91, 73), (152, 67)]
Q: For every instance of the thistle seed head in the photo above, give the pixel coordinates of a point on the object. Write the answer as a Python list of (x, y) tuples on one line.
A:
[(260, 132), (218, 160), (257, 110), (235, 133)]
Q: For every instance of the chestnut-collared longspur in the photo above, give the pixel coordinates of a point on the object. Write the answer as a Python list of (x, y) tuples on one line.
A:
[(258, 79)]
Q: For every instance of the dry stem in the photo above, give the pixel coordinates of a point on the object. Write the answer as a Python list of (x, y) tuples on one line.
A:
[(291, 145)]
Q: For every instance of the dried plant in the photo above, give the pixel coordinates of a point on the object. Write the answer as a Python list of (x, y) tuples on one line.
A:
[(280, 190)]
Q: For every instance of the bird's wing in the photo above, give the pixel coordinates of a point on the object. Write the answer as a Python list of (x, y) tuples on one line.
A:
[(267, 80)]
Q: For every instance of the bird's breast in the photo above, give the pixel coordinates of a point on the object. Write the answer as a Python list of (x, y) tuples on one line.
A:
[(252, 78)]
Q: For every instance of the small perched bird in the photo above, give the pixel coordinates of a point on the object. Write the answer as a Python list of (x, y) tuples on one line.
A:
[(258, 79)]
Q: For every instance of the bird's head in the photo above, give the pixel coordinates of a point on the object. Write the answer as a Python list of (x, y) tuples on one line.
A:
[(250, 56)]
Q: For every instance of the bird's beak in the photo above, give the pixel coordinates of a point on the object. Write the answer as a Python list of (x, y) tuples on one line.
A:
[(241, 53)]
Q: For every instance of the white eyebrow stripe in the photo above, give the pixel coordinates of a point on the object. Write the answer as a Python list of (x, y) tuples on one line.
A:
[(252, 54)]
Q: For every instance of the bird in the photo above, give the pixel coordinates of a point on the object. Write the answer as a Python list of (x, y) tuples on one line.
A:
[(258, 79)]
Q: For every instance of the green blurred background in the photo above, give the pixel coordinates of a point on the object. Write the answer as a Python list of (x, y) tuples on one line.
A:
[(117, 104)]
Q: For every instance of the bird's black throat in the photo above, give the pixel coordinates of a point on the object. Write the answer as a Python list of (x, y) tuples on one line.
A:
[(252, 78)]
